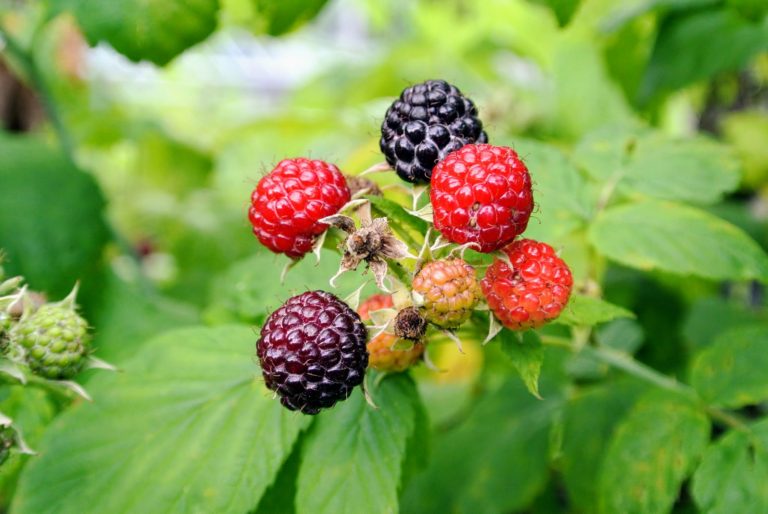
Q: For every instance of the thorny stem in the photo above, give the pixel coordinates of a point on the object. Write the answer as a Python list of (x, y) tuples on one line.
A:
[(631, 366)]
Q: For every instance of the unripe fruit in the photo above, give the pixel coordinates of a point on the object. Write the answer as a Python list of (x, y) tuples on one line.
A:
[(449, 290), (54, 341), (382, 354)]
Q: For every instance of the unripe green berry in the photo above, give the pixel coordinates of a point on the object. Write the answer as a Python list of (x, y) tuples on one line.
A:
[(54, 341)]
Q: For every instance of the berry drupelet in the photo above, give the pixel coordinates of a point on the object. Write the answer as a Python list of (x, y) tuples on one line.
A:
[(428, 121)]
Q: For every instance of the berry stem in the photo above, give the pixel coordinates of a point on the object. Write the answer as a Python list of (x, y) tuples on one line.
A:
[(631, 366)]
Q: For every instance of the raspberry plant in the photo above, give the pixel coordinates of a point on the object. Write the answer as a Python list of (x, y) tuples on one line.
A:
[(359, 256)]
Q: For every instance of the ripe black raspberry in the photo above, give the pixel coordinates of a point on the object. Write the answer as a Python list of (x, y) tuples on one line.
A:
[(428, 121), (312, 351)]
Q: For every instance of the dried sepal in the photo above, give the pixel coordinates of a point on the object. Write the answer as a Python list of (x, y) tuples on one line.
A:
[(494, 327), (372, 243), (376, 168), (450, 334)]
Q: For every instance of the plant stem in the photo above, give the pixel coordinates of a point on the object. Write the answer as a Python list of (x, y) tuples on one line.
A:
[(635, 368), (27, 61), (631, 366)]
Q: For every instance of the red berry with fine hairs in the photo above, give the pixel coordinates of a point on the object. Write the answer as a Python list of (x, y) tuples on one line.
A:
[(288, 202), (312, 351), (481, 194), (531, 293)]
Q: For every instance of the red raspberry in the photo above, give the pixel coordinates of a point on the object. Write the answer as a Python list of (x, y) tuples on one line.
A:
[(381, 355), (288, 202), (534, 292), (450, 291), (312, 351), (481, 194)]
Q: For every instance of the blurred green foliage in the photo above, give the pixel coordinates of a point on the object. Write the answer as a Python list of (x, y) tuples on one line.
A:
[(643, 124)]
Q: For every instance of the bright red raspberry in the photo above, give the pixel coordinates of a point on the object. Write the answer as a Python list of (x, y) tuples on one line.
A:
[(534, 292), (288, 202), (382, 355), (481, 194)]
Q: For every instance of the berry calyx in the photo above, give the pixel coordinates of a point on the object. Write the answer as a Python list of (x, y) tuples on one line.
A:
[(428, 121), (384, 353), (531, 293), (481, 195), (448, 290), (312, 351), (53, 341), (289, 201)]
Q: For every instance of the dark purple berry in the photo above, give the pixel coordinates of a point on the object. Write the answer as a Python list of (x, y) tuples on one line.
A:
[(425, 124), (312, 351)]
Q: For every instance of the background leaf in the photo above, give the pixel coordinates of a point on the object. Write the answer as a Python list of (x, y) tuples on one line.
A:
[(652, 451), (731, 371), (654, 235), (51, 222), (527, 355), (495, 460), (686, 52), (209, 436), (732, 475), (649, 163), (589, 420), (152, 30), (281, 16), (352, 459), (588, 310)]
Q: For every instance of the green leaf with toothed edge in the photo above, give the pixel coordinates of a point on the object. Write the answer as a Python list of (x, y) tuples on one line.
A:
[(731, 371), (179, 424), (139, 29), (587, 311), (652, 451), (353, 457), (527, 355), (733, 473), (671, 237)]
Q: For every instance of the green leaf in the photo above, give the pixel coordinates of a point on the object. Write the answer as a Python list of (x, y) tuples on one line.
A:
[(353, 458), (630, 9), (31, 410), (527, 355), (589, 419), (558, 185), (51, 223), (187, 427), (686, 51), (396, 213), (670, 237), (652, 452), (733, 474), (588, 310), (653, 164), (731, 371), (152, 30), (251, 288), (495, 460), (126, 316), (709, 317), (563, 9), (281, 16)]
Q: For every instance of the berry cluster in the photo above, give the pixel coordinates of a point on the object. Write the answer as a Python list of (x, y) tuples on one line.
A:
[(314, 349)]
